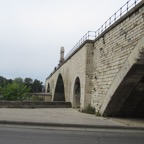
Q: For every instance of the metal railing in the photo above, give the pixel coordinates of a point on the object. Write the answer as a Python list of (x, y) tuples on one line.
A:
[(91, 35)]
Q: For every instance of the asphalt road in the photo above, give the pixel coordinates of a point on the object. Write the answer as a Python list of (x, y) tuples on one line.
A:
[(27, 135)]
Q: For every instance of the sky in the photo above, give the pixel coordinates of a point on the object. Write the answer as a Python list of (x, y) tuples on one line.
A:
[(32, 32)]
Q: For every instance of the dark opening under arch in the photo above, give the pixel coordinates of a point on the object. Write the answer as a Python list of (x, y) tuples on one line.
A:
[(77, 93), (59, 94), (48, 88), (128, 99)]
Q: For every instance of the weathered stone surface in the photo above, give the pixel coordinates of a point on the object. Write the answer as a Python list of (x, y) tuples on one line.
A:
[(28, 104), (73, 68), (102, 65)]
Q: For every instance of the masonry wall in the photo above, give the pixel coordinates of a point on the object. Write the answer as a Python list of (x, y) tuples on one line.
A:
[(30, 104), (110, 52), (102, 64)]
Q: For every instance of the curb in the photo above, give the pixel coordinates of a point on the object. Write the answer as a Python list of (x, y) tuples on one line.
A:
[(24, 123)]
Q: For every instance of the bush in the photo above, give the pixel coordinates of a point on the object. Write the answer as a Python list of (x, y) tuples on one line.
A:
[(1, 97), (89, 109), (15, 92)]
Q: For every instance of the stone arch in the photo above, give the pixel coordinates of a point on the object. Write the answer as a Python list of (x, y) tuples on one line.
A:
[(59, 94), (125, 97), (77, 93), (48, 88)]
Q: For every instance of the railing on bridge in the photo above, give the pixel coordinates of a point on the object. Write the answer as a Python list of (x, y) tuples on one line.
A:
[(91, 35)]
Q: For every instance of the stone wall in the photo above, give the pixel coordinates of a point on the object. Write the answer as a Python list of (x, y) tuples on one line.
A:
[(29, 104), (111, 51), (43, 96), (99, 63), (75, 67)]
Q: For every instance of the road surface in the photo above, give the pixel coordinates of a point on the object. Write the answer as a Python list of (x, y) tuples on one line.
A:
[(30, 135)]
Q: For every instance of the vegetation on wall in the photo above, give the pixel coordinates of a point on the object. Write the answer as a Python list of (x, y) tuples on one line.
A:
[(89, 109)]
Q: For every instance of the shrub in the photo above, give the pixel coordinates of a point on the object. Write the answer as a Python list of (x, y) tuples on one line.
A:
[(89, 109), (15, 92)]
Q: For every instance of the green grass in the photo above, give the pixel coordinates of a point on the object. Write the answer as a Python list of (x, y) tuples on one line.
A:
[(89, 109)]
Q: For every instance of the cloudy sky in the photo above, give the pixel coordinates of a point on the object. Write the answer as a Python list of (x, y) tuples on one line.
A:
[(32, 32)]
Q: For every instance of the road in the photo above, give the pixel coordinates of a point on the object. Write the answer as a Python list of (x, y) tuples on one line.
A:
[(27, 135)]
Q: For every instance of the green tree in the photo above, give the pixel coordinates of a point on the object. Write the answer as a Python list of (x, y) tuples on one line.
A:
[(28, 82), (19, 81), (36, 86), (15, 91), (4, 81)]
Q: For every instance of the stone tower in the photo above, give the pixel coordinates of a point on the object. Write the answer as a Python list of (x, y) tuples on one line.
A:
[(61, 55)]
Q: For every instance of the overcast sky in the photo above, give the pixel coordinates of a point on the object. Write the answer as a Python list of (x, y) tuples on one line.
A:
[(32, 32)]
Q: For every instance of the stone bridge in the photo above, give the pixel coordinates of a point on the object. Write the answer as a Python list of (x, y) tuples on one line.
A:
[(108, 71)]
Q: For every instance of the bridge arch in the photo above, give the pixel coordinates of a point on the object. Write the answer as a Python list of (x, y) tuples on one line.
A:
[(77, 93), (125, 97), (59, 93)]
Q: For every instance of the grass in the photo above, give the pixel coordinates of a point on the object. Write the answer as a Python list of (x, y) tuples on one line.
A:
[(89, 109)]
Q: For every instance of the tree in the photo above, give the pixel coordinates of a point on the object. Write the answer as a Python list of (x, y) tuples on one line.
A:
[(18, 88), (4, 81), (18, 80), (28, 82), (36, 86), (15, 91)]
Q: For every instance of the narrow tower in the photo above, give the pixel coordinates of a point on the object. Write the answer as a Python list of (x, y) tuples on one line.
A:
[(61, 55)]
